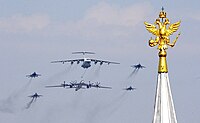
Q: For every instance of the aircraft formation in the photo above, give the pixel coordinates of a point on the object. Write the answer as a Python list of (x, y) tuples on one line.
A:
[(79, 85)]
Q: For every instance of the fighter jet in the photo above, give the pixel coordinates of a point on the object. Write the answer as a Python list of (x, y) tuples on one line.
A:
[(33, 75), (129, 88), (138, 66), (136, 69), (86, 62), (35, 96), (64, 85)]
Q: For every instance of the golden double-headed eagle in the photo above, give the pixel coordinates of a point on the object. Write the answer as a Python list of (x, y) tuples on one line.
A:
[(162, 33)]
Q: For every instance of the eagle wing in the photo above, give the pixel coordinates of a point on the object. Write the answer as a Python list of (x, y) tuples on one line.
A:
[(151, 28), (173, 28)]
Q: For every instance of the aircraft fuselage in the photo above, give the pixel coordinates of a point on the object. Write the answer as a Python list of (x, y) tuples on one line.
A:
[(86, 64)]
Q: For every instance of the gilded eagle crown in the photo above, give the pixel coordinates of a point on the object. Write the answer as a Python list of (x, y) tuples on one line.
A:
[(162, 14)]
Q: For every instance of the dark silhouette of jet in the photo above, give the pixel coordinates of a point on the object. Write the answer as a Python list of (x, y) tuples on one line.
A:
[(33, 75), (35, 96), (136, 69), (138, 66), (129, 88)]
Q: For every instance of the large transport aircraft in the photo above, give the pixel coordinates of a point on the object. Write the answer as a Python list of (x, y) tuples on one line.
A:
[(86, 62)]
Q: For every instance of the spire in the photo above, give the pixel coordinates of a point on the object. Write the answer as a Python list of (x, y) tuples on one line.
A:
[(164, 111)]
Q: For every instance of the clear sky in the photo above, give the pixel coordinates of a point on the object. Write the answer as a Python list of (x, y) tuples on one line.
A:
[(33, 33)]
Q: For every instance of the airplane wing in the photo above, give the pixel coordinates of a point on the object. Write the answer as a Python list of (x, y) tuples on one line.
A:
[(39, 95), (98, 86), (102, 61), (61, 85), (72, 61), (33, 75), (83, 53), (125, 89), (129, 89), (104, 87), (28, 76), (134, 66), (54, 86), (31, 96), (143, 67), (34, 96), (69, 87)]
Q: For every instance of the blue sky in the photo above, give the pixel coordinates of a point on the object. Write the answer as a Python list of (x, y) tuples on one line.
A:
[(33, 33)]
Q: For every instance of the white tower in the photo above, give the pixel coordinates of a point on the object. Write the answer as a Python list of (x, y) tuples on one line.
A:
[(164, 111)]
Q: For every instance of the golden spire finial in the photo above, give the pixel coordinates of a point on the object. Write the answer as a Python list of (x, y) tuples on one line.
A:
[(162, 14), (162, 38)]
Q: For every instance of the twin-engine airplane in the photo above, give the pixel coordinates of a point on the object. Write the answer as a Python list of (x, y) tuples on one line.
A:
[(33, 75), (86, 62)]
